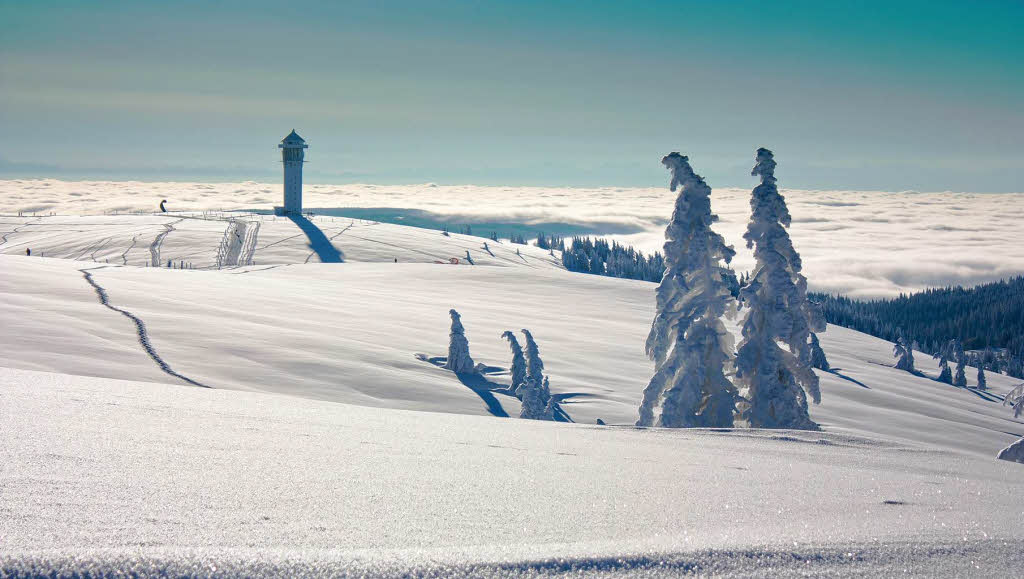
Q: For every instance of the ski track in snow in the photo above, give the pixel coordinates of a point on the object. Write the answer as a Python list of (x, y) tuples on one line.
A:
[(230, 249), (237, 243), (154, 248), (248, 250), (124, 256), (17, 229), (140, 328)]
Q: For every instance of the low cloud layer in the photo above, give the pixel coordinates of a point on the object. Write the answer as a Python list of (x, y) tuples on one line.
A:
[(861, 243)]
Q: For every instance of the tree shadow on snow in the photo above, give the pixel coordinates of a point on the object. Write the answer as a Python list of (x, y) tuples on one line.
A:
[(984, 395), (835, 372), (486, 389), (318, 242), (478, 383)]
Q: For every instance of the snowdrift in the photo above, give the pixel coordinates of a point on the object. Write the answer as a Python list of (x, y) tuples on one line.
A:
[(158, 478)]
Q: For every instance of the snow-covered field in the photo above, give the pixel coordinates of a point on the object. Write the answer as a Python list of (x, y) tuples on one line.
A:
[(860, 243), (322, 443), (101, 475)]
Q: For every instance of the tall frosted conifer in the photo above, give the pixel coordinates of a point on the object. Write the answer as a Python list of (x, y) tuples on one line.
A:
[(775, 381), (688, 343), (960, 380), (534, 365), (518, 367), (946, 351), (903, 350)]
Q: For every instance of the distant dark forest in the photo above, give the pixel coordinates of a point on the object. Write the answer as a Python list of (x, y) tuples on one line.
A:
[(988, 319), (599, 257), (984, 316)]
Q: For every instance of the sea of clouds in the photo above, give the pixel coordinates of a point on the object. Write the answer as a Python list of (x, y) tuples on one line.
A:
[(860, 243)]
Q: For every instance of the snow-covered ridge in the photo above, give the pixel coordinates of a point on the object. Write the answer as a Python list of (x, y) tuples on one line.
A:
[(216, 240), (891, 241)]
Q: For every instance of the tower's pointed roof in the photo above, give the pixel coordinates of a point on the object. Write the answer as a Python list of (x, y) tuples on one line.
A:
[(293, 137)]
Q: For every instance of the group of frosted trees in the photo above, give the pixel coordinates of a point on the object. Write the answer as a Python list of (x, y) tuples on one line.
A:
[(529, 383), (700, 380), (952, 350)]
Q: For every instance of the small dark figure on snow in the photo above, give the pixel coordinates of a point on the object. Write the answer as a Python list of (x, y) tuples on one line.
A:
[(28, 251), (162, 208)]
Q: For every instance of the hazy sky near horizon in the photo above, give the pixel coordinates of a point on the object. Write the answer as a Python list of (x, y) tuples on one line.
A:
[(849, 95)]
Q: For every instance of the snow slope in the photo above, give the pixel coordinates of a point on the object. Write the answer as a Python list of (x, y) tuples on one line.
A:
[(350, 332), (284, 418), (161, 479), (224, 240)]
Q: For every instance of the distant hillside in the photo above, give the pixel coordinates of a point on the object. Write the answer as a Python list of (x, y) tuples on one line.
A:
[(985, 316)]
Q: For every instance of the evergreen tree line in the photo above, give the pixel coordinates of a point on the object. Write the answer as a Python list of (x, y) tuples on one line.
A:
[(550, 242), (598, 256), (987, 319)]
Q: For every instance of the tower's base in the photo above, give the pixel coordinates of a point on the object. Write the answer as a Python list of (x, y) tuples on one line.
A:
[(280, 211)]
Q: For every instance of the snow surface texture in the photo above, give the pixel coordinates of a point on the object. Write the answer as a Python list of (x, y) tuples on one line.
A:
[(349, 332), (162, 479), (943, 238), (218, 241)]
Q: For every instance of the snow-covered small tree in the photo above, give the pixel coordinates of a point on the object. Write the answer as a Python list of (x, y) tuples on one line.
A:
[(1015, 400), (550, 405), (817, 355), (1013, 453), (534, 365), (550, 409), (688, 342), (960, 380), (944, 353), (535, 402), (775, 381), (903, 351), (459, 360), (982, 383), (518, 367)]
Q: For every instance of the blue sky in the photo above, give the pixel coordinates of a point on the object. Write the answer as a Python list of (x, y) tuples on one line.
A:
[(878, 95)]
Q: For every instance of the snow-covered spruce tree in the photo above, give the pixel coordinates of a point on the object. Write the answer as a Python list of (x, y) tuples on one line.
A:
[(960, 380), (1015, 399), (534, 365), (459, 360), (775, 381), (534, 403), (903, 352), (688, 343), (1013, 453), (549, 401), (982, 383), (943, 355), (817, 355), (518, 367)]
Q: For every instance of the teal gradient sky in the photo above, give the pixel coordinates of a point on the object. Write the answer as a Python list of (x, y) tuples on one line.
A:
[(871, 95)]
